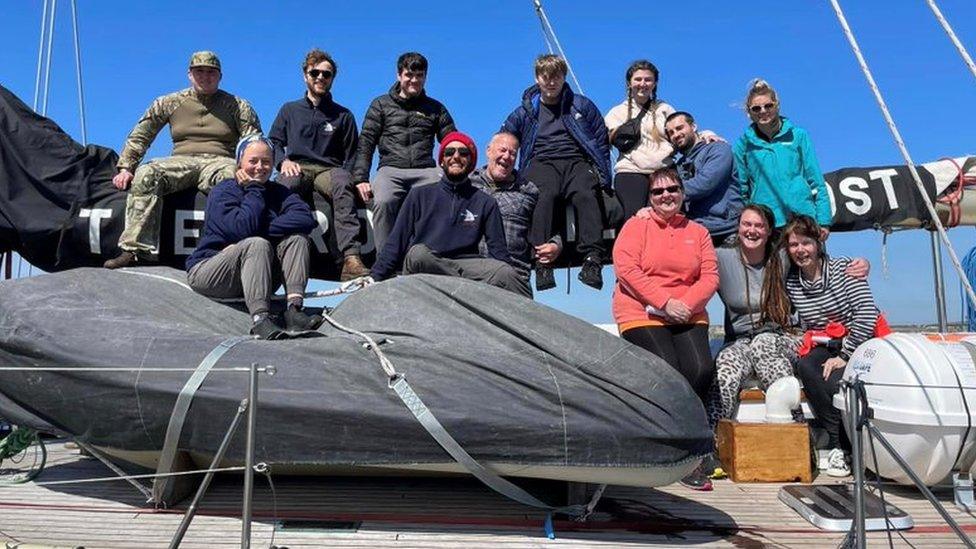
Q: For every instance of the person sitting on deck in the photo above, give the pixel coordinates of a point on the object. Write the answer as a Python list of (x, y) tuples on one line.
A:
[(566, 153), (440, 227), (517, 198), (255, 234), (315, 142), (205, 123)]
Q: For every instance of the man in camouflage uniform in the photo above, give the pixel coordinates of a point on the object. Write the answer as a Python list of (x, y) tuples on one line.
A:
[(206, 123)]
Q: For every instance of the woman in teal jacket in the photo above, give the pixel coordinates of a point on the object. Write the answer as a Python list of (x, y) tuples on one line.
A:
[(776, 162)]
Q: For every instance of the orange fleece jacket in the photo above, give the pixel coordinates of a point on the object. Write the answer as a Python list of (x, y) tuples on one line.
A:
[(657, 260)]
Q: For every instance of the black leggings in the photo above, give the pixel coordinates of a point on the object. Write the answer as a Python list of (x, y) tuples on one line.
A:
[(820, 394), (684, 347), (633, 190)]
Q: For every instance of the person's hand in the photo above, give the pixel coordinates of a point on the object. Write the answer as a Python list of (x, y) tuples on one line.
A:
[(831, 364), (244, 180), (122, 179), (824, 234), (547, 253), (365, 191), (677, 310), (708, 136), (644, 213), (290, 169), (858, 268)]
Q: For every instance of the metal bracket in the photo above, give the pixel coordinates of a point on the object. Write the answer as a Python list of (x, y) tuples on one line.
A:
[(962, 491)]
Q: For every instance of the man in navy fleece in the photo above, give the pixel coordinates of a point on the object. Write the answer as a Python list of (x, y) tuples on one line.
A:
[(440, 226), (254, 236)]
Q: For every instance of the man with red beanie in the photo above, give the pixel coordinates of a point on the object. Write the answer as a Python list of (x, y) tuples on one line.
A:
[(440, 226)]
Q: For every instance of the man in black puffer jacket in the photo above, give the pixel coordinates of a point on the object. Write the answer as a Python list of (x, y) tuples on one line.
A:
[(404, 124)]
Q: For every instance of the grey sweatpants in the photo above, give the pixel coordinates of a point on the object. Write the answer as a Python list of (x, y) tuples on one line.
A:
[(390, 186), (420, 259), (254, 268)]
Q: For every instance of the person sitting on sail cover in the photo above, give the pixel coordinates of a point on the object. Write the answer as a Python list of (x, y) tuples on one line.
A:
[(403, 124), (205, 123), (565, 152), (823, 294), (666, 273), (440, 226), (255, 235), (315, 142), (776, 163), (516, 197)]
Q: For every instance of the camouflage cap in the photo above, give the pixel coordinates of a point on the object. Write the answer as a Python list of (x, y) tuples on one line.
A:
[(205, 59)]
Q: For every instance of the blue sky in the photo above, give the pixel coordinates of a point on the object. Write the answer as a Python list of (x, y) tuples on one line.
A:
[(481, 55)]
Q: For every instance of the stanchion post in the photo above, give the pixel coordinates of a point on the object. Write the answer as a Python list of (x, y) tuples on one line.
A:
[(857, 462), (252, 410)]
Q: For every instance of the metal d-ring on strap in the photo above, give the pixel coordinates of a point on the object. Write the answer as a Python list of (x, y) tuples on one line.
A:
[(180, 409)]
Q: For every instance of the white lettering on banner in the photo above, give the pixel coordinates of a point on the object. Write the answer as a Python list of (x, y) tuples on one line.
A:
[(95, 217), (181, 232), (885, 176), (318, 233), (853, 188)]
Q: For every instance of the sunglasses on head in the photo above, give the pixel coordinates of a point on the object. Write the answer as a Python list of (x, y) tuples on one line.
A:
[(315, 73), (661, 190), (463, 151), (756, 109)]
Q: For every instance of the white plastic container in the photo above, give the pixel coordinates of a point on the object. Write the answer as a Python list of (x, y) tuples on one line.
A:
[(918, 401)]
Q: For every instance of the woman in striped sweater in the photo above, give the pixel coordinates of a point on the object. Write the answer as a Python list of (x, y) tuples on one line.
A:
[(823, 293)]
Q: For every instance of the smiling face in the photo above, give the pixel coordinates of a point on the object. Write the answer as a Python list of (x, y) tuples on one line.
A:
[(411, 82), (804, 250), (642, 85), (319, 78), (501, 156), (456, 161), (763, 109), (753, 230), (256, 161), (204, 80), (681, 133), (666, 196)]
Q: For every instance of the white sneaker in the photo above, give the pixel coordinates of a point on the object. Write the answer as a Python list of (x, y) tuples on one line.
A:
[(837, 464)]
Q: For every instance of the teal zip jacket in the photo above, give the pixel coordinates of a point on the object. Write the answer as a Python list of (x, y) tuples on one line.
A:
[(783, 174)]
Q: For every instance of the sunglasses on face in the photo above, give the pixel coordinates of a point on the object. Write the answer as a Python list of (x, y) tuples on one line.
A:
[(756, 109), (450, 151), (673, 189), (315, 73)]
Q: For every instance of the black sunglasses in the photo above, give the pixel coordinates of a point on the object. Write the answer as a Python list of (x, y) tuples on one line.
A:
[(315, 73), (756, 109), (661, 190), (450, 151)]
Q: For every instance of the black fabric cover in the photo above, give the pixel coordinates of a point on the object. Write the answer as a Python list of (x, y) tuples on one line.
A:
[(512, 380)]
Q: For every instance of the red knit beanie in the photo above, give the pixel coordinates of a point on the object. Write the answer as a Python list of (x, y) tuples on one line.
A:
[(463, 138)]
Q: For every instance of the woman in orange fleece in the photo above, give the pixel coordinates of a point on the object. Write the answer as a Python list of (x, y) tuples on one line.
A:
[(666, 273)]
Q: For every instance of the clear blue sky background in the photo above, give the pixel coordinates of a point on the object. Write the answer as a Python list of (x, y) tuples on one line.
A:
[(481, 56)]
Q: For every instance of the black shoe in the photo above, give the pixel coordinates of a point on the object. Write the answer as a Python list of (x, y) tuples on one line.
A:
[(697, 480), (544, 279), (265, 328), (124, 259), (297, 321), (592, 273)]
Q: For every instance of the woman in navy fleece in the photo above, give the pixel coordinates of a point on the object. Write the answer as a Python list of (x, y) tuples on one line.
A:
[(255, 236)]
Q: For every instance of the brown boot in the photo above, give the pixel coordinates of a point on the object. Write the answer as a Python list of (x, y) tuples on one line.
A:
[(124, 259), (352, 268)]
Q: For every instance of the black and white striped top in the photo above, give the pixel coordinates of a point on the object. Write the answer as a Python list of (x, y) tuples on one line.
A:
[(835, 297)]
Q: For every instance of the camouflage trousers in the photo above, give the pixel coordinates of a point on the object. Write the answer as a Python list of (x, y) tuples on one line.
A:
[(160, 177)]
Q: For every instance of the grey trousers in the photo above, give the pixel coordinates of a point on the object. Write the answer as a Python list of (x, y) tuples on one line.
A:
[(336, 185), (390, 186), (420, 259), (254, 268)]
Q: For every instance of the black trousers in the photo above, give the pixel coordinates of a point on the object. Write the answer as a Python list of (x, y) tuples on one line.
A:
[(684, 347), (820, 394), (573, 181), (633, 191)]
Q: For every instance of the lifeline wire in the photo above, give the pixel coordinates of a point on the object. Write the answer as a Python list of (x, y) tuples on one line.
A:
[(909, 163), (132, 477)]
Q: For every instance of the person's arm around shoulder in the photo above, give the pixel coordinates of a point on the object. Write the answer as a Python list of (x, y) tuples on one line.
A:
[(628, 252), (295, 216), (814, 177), (714, 170)]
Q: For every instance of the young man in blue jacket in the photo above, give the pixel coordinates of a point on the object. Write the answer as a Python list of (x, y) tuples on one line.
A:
[(565, 152), (440, 226), (712, 191), (255, 235)]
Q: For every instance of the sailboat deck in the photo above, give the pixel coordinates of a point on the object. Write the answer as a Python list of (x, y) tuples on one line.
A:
[(380, 512)]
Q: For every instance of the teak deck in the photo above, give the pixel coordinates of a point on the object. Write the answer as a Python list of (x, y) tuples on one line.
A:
[(372, 512)]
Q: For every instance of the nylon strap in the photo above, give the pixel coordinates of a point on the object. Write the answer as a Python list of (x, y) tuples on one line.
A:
[(180, 409), (491, 479)]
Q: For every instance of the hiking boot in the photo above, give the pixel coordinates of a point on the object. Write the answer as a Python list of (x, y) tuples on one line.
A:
[(124, 259), (592, 273), (352, 268), (296, 320), (838, 464), (265, 328), (544, 279), (697, 480)]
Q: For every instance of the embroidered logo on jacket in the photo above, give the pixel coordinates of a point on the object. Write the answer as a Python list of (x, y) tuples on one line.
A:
[(468, 218)]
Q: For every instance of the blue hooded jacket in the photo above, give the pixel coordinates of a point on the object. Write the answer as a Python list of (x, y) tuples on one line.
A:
[(712, 188), (581, 118)]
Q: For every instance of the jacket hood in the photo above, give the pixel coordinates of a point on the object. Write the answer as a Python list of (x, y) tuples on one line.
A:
[(752, 132)]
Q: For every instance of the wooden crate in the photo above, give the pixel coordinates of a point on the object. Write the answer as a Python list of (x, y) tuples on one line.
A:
[(765, 452)]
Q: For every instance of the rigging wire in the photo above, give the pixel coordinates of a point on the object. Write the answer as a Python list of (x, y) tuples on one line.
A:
[(81, 91), (909, 163), (47, 69), (952, 36), (40, 57), (549, 33)]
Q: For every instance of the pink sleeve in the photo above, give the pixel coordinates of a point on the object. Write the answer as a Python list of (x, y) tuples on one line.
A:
[(628, 250), (704, 288)]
